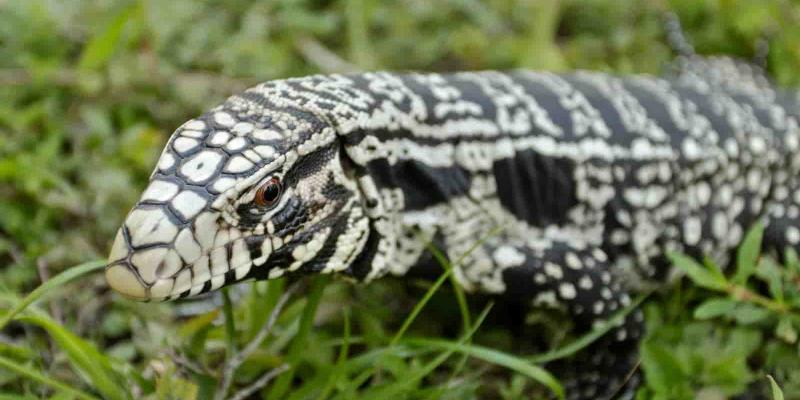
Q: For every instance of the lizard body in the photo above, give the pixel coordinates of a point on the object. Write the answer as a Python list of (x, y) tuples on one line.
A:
[(592, 178)]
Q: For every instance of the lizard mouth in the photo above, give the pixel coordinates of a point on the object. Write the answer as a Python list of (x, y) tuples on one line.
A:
[(193, 279), (158, 273)]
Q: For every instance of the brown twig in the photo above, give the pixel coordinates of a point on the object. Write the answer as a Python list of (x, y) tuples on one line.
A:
[(184, 362), (236, 360), (44, 274), (260, 383), (321, 57)]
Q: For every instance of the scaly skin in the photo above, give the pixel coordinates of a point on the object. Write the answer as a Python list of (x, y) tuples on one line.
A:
[(592, 177)]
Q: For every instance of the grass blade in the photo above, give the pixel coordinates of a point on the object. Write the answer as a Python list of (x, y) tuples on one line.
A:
[(48, 287), (589, 337), (84, 357), (101, 47), (43, 379), (497, 357), (395, 390), (344, 350), (230, 326), (296, 349), (419, 306)]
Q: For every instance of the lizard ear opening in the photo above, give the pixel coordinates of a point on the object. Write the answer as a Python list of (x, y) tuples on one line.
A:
[(350, 168), (368, 194)]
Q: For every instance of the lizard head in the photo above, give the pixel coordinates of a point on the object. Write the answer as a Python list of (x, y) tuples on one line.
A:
[(244, 191)]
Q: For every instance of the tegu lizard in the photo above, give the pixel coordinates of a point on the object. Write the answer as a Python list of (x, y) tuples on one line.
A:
[(592, 177)]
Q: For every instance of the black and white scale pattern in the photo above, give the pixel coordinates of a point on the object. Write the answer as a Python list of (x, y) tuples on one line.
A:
[(591, 177)]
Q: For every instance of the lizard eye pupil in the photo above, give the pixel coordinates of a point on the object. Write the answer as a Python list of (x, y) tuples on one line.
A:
[(269, 193)]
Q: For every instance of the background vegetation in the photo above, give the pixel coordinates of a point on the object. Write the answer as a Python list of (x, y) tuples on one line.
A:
[(90, 91)]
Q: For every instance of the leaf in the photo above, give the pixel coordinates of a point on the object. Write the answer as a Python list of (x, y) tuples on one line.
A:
[(699, 274), (742, 342), (715, 270), (48, 287), (84, 357), (662, 368), (747, 254), (769, 271), (747, 314), (785, 330), (777, 393), (714, 308)]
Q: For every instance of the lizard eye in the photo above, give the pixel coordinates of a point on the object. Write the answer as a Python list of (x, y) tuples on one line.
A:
[(269, 193)]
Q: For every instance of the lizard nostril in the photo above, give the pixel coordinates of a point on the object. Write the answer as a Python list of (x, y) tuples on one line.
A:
[(160, 270), (168, 266)]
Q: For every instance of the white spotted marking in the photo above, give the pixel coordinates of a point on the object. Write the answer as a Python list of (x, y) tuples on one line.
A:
[(192, 133), (793, 235), (162, 288), (159, 190), (217, 282), (566, 290), (223, 184), (236, 144), (202, 166), (184, 145), (719, 225), (219, 261), (598, 307), (188, 204), (238, 164), (170, 265), (553, 270), (692, 230), (124, 281), (146, 261), (242, 271), (195, 124), (573, 261), (266, 135), (266, 152), (703, 193), (242, 128), (187, 247), (508, 256), (240, 255), (224, 119), (166, 161), (148, 226), (219, 138), (205, 226), (201, 271)]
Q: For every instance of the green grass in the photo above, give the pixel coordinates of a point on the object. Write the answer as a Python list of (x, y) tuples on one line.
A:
[(89, 92), (213, 357)]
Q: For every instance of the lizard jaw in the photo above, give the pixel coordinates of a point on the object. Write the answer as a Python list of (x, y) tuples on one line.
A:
[(124, 281)]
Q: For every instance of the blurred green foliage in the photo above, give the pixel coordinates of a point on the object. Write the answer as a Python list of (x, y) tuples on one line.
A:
[(90, 90)]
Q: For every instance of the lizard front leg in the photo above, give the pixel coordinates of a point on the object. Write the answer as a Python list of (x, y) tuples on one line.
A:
[(576, 279)]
